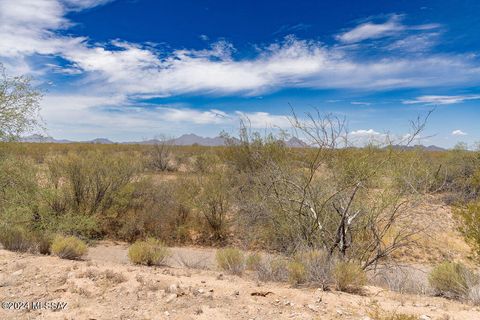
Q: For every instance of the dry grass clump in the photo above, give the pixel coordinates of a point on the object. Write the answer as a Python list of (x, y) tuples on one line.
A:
[(377, 313), (231, 260), (192, 262), (452, 280), (68, 247), (16, 239), (272, 269), (318, 267), (297, 273), (349, 277), (253, 261), (150, 252), (402, 279)]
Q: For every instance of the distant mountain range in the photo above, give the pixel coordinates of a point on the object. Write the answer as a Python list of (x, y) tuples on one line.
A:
[(192, 139)]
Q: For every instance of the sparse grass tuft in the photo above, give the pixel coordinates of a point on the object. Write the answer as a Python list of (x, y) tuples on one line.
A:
[(150, 252), (231, 260), (68, 247), (377, 313)]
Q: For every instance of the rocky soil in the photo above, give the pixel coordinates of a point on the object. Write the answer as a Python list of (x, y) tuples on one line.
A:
[(106, 286)]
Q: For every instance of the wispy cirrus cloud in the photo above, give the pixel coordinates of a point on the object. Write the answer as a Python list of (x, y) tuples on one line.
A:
[(442, 99), (360, 103), (370, 30)]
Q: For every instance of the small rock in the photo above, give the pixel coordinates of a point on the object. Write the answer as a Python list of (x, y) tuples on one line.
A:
[(171, 297), (220, 277), (167, 313), (236, 293), (173, 288), (312, 307), (201, 291), (424, 317), (18, 272)]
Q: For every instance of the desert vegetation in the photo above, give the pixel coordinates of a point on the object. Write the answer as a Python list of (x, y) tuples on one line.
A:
[(331, 214)]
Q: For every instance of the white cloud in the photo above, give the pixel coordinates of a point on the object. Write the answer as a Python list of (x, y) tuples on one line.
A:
[(137, 69), (459, 133), (432, 99), (364, 133), (119, 118), (370, 30), (264, 119)]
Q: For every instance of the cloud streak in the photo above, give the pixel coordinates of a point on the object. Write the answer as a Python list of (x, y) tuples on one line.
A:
[(442, 99)]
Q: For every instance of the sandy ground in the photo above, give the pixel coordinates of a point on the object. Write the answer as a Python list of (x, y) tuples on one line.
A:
[(106, 286)]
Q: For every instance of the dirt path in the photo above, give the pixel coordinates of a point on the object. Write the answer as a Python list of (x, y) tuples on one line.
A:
[(116, 252)]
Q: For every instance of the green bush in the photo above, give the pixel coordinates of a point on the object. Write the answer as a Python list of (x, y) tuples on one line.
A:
[(151, 252), (231, 260), (469, 218), (68, 247), (349, 277), (452, 280), (16, 239)]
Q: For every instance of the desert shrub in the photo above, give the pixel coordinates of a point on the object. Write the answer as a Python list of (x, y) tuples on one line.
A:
[(149, 252), (469, 219), (16, 239), (231, 260), (349, 277), (452, 280), (205, 163), (253, 261), (43, 243), (213, 202), (68, 247), (297, 273), (160, 156)]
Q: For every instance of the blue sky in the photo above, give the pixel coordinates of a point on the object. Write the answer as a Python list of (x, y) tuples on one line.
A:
[(133, 69)]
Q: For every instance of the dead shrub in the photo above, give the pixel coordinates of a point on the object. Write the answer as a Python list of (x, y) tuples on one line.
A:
[(318, 267), (402, 279), (474, 294), (272, 269)]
